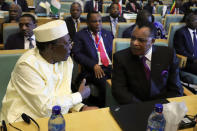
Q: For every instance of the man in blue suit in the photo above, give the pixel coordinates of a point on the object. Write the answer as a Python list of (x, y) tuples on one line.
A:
[(92, 49), (144, 72), (93, 5), (185, 42)]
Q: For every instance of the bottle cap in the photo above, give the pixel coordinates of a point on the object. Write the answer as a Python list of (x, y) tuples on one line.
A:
[(56, 110), (159, 108)]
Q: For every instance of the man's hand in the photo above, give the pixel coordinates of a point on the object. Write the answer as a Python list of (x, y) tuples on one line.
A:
[(99, 73), (84, 90), (86, 108)]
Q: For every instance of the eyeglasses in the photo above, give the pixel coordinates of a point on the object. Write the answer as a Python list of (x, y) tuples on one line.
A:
[(133, 38)]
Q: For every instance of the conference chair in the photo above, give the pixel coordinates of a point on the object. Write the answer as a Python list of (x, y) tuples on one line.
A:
[(170, 18), (65, 7), (9, 29), (120, 44), (8, 60), (158, 17), (105, 26), (159, 9), (105, 6), (193, 8), (121, 27)]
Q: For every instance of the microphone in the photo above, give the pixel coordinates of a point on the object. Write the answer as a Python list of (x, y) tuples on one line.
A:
[(4, 127), (28, 119)]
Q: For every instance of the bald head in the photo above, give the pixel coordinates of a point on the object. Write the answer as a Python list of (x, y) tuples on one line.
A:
[(15, 12)]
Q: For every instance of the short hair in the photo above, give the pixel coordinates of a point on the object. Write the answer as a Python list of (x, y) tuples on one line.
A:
[(43, 45), (142, 17), (74, 4), (112, 5), (90, 13), (152, 28), (30, 16)]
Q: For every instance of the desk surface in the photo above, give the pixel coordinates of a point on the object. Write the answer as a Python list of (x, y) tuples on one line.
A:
[(98, 120)]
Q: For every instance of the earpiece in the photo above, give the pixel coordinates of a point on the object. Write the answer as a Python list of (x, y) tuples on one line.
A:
[(26, 118), (4, 125)]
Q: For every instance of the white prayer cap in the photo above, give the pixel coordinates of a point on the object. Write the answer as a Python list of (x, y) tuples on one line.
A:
[(50, 31)]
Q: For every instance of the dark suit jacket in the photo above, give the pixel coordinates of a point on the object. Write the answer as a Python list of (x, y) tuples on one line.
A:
[(84, 49), (107, 19), (5, 6), (71, 26), (183, 43), (15, 41), (130, 9), (89, 6), (128, 31), (149, 8), (23, 4), (129, 83)]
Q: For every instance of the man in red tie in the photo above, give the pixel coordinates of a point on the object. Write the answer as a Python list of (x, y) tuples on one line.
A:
[(93, 51)]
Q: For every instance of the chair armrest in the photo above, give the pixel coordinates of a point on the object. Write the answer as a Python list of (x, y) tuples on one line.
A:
[(187, 92), (182, 60), (109, 82)]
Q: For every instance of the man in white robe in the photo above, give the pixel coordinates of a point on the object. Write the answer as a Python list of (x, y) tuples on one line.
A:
[(42, 77)]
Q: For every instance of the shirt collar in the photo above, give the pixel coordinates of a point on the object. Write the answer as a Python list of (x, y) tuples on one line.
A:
[(191, 30), (33, 37), (112, 19), (148, 55), (76, 19)]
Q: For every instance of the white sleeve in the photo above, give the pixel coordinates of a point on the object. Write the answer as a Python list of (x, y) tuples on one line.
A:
[(33, 89)]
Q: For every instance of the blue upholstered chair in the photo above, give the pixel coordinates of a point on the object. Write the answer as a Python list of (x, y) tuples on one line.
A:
[(171, 18), (8, 60), (105, 6), (159, 9), (158, 17), (120, 29), (8, 29), (65, 7)]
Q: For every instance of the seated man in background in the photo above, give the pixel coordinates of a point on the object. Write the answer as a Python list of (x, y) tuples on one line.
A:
[(185, 42), (4, 5), (114, 17), (142, 16), (187, 5), (93, 5), (25, 38), (133, 6), (93, 51), (23, 4), (144, 72), (150, 7), (15, 13), (42, 77), (75, 19)]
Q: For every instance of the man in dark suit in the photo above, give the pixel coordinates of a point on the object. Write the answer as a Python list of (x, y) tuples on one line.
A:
[(143, 16), (23, 4), (73, 21), (92, 49), (150, 7), (25, 38), (145, 72), (114, 17), (93, 5), (185, 42), (186, 6)]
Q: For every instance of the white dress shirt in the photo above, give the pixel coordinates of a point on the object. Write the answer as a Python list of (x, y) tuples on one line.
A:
[(148, 56), (114, 22), (76, 24), (36, 86), (27, 42)]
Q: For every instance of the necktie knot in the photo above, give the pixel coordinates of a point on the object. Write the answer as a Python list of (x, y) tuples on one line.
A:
[(194, 33), (29, 39)]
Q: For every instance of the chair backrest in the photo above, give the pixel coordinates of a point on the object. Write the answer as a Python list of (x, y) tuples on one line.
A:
[(105, 6), (65, 7), (105, 26), (8, 60), (159, 9), (169, 18), (158, 17), (9, 29), (121, 27), (173, 28), (193, 8)]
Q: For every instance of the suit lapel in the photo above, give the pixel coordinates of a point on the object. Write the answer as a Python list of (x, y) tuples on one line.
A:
[(189, 39), (105, 41)]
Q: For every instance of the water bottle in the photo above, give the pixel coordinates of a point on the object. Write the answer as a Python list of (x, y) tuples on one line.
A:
[(156, 120), (56, 121)]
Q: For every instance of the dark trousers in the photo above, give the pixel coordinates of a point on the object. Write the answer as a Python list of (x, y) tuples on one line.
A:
[(100, 84)]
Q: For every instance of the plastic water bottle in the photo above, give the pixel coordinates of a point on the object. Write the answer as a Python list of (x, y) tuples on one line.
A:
[(156, 120), (56, 121)]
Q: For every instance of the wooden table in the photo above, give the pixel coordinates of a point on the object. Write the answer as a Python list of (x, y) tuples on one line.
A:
[(98, 120)]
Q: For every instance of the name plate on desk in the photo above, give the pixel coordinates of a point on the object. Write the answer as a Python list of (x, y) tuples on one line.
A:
[(129, 16)]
